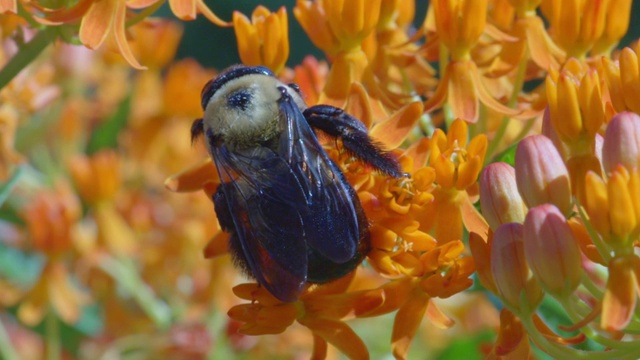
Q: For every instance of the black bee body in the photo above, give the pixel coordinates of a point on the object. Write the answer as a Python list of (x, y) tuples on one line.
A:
[(292, 215)]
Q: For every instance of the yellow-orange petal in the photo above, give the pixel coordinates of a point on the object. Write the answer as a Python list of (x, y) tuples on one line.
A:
[(247, 39), (406, 323), (440, 95), (437, 317), (113, 230), (96, 23), (218, 245), (183, 9), (511, 333), (463, 93), (193, 178), (8, 6), (120, 26), (204, 10), (393, 131), (481, 251), (140, 4), (630, 79), (339, 335), (621, 208), (544, 52), (620, 298)]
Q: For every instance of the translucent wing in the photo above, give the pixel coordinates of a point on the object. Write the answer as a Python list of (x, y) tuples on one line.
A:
[(331, 225), (263, 196)]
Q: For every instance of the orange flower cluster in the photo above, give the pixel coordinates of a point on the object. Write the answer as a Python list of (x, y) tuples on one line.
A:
[(516, 123)]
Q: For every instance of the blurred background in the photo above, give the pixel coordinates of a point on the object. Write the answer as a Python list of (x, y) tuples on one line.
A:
[(214, 46)]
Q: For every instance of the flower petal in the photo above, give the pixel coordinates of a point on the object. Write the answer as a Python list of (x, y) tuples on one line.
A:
[(97, 22), (393, 131), (406, 323), (339, 335)]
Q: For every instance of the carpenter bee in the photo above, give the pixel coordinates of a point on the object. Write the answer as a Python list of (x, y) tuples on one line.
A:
[(292, 216)]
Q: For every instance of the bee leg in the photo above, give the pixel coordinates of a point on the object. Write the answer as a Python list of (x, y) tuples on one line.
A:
[(338, 124), (222, 210), (226, 223)]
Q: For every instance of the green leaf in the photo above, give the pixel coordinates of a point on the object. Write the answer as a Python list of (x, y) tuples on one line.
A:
[(509, 155), (467, 348), (106, 135), (19, 267)]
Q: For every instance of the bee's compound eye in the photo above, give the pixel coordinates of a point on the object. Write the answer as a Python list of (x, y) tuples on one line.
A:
[(240, 99)]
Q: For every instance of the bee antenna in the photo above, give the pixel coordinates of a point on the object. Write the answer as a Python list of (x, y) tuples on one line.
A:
[(197, 129)]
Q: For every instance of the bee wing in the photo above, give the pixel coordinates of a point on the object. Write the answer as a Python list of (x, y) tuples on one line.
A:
[(263, 197), (330, 220)]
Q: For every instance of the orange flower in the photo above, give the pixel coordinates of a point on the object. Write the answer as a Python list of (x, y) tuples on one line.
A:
[(336, 25), (107, 20), (54, 290), (264, 40), (532, 41), (98, 181), (578, 25), (623, 81), (98, 177), (457, 163), (321, 309), (151, 32), (338, 28), (614, 207), (50, 219)]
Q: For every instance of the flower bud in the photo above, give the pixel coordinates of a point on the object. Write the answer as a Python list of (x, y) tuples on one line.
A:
[(500, 200), (552, 251), (541, 175), (622, 142), (511, 274)]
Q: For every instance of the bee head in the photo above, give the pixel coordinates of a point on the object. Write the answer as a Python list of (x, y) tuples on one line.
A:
[(230, 74), (241, 108)]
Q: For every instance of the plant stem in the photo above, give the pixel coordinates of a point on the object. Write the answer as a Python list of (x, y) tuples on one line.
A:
[(52, 336), (518, 84), (26, 55)]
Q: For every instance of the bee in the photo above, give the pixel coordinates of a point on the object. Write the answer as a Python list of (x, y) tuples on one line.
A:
[(292, 217)]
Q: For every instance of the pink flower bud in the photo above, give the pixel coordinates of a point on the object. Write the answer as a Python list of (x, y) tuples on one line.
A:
[(622, 142), (499, 198), (541, 175), (511, 274), (552, 251)]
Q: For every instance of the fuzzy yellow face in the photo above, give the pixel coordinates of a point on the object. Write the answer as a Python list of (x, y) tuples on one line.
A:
[(244, 112)]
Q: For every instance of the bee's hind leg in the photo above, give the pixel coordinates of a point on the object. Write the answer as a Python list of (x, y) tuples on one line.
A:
[(338, 124)]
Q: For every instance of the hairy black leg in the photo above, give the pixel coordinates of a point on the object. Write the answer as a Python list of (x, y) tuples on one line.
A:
[(338, 124), (197, 128)]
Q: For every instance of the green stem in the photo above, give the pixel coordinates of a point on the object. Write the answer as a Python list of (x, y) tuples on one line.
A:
[(144, 14), (443, 62), (558, 351), (594, 335), (5, 189), (126, 275), (26, 55), (6, 349), (591, 287), (518, 84), (593, 234), (53, 336)]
